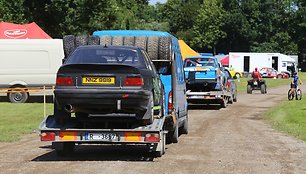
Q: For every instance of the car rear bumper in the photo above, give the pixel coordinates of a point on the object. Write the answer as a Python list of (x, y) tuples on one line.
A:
[(95, 101)]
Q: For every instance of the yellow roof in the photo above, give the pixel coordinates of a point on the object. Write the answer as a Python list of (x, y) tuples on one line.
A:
[(186, 50)]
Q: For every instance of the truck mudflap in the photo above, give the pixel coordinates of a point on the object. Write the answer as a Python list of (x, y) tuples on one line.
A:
[(153, 135)]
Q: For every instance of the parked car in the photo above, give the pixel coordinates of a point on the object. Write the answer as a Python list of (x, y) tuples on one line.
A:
[(203, 73), (99, 79), (272, 73), (234, 74), (231, 86)]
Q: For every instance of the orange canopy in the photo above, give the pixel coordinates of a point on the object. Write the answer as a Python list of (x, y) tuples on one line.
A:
[(186, 50), (19, 31)]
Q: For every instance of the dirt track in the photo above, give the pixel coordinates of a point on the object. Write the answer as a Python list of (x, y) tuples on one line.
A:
[(230, 140)]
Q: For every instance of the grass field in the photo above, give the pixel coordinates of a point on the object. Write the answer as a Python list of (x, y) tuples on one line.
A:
[(290, 116)]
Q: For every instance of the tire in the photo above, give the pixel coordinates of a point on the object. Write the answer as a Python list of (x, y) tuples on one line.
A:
[(105, 40), (64, 149), (291, 96), (223, 103), (81, 40), (141, 41), (237, 75), (117, 40), (263, 88), (152, 47), (149, 114), (231, 99), (175, 135), (18, 97), (164, 48), (129, 41), (93, 40), (69, 45), (184, 128), (298, 95), (249, 89)]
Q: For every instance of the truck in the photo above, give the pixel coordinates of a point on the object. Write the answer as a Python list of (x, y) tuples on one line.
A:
[(247, 61), (171, 120), (28, 65), (206, 82)]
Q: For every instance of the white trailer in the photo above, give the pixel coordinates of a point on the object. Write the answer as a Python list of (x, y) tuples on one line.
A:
[(28, 64), (247, 62)]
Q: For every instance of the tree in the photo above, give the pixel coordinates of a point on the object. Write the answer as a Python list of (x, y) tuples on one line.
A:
[(207, 26), (12, 11)]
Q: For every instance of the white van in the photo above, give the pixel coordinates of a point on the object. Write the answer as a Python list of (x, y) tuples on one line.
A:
[(28, 63)]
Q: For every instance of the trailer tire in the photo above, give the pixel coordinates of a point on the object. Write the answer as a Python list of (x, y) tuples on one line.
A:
[(141, 41), (117, 40), (69, 44), (105, 40), (18, 97), (63, 149), (152, 47), (81, 40), (129, 41), (164, 48), (93, 40)]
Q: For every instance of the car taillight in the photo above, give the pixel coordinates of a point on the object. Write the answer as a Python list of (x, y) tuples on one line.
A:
[(133, 81), (64, 81), (170, 102)]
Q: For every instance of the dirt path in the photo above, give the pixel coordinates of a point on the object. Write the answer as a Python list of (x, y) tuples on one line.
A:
[(230, 140)]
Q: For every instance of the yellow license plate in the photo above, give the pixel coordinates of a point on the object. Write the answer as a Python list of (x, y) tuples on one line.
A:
[(99, 80)]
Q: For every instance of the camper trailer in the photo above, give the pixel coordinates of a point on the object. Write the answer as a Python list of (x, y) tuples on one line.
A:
[(247, 62)]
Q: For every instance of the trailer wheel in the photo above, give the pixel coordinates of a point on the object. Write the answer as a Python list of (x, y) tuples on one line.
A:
[(129, 41), (117, 40), (249, 89), (105, 40), (164, 48), (141, 41), (152, 47), (81, 40), (63, 149), (69, 45), (93, 40), (18, 97)]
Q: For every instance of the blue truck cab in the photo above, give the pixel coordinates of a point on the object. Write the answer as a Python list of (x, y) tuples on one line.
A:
[(164, 51), (203, 73)]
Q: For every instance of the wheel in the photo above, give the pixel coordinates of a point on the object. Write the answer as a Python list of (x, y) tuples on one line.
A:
[(231, 99), (175, 135), (141, 41), (81, 40), (63, 149), (291, 96), (68, 43), (249, 89), (223, 103), (298, 95), (129, 40), (164, 48), (93, 40), (148, 116), (237, 75), (184, 129), (117, 40), (18, 97), (105, 40), (152, 47), (263, 88)]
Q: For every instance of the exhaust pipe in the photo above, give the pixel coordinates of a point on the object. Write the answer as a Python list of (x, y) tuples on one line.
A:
[(69, 108)]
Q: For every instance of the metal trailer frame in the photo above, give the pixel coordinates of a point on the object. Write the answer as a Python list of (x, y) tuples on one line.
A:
[(211, 97), (68, 133)]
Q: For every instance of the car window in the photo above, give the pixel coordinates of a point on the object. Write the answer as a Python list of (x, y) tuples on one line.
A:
[(190, 62), (105, 56)]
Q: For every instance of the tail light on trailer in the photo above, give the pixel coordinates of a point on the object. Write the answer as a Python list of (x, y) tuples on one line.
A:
[(64, 81), (152, 137), (47, 136), (133, 81), (170, 102)]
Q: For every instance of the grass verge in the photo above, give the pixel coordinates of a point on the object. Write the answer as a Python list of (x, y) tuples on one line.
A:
[(19, 119)]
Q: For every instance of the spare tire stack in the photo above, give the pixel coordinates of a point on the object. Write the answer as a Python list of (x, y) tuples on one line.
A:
[(157, 47)]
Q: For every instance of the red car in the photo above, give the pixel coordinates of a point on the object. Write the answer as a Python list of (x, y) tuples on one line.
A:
[(272, 73)]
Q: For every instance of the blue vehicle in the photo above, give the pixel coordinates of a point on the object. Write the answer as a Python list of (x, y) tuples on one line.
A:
[(170, 110)]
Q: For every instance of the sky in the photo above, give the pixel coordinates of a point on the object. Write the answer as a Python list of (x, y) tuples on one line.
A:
[(152, 2)]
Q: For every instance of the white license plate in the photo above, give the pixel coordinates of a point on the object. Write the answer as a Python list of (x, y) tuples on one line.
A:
[(101, 136)]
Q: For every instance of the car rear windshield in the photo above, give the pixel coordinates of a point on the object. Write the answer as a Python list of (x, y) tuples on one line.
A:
[(189, 62), (105, 56)]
